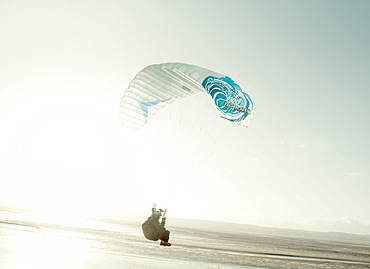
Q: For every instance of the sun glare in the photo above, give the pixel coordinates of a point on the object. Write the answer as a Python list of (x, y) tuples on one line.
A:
[(72, 154)]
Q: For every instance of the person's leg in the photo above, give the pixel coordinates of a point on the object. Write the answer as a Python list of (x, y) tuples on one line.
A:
[(164, 237)]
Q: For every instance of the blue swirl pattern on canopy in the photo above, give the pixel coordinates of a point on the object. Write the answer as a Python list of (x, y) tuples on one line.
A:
[(234, 104)]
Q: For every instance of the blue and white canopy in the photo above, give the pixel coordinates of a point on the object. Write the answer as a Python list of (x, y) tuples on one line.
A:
[(161, 84)]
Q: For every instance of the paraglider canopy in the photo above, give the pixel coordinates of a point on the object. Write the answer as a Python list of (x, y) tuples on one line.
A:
[(161, 84)]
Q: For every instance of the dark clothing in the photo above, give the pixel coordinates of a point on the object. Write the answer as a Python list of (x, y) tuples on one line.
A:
[(153, 230)]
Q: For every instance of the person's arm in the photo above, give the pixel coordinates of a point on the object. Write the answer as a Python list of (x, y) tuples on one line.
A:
[(163, 221)]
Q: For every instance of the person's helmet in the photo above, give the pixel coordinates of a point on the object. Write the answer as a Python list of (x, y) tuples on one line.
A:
[(158, 213)]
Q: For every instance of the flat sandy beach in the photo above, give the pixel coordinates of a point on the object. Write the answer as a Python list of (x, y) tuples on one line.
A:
[(39, 240)]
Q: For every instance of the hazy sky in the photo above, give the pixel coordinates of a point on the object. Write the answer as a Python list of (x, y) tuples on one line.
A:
[(303, 163)]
